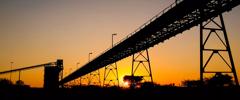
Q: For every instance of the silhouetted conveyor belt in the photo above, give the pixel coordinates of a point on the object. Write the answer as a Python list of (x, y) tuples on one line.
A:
[(27, 68), (178, 18)]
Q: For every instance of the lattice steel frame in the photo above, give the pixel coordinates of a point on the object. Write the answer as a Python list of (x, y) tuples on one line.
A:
[(94, 75), (83, 78), (112, 68), (141, 62), (225, 42)]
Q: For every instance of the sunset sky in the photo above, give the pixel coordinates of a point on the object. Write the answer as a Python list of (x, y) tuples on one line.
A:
[(39, 31)]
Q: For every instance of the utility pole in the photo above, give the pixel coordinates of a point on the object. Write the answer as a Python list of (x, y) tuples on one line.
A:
[(89, 56), (112, 37), (11, 70)]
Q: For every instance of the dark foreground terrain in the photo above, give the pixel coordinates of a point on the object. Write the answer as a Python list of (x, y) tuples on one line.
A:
[(89, 93)]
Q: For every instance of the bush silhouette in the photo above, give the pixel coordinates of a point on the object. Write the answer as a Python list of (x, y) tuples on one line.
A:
[(218, 80), (5, 83)]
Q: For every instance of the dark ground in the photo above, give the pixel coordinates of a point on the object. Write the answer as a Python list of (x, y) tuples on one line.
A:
[(89, 93)]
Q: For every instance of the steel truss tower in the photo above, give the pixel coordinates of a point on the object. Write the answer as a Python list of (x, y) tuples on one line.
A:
[(141, 62), (94, 78), (217, 28), (85, 80), (112, 71)]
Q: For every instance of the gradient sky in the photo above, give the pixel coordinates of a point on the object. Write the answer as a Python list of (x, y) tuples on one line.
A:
[(39, 31)]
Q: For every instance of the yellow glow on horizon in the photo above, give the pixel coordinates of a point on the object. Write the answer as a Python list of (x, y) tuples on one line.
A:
[(36, 33), (126, 84)]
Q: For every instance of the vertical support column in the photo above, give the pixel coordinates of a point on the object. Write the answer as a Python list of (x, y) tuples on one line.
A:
[(80, 81), (220, 31), (59, 65), (112, 71), (84, 80), (201, 53), (19, 75), (141, 68), (94, 78), (229, 50), (149, 64)]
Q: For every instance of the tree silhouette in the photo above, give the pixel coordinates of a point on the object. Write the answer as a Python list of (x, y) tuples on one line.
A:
[(220, 80), (191, 83), (19, 83), (5, 83)]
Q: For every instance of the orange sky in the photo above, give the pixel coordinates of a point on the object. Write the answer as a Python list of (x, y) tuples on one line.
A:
[(40, 31)]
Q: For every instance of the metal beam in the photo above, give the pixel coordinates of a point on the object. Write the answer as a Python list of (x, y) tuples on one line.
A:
[(27, 68)]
